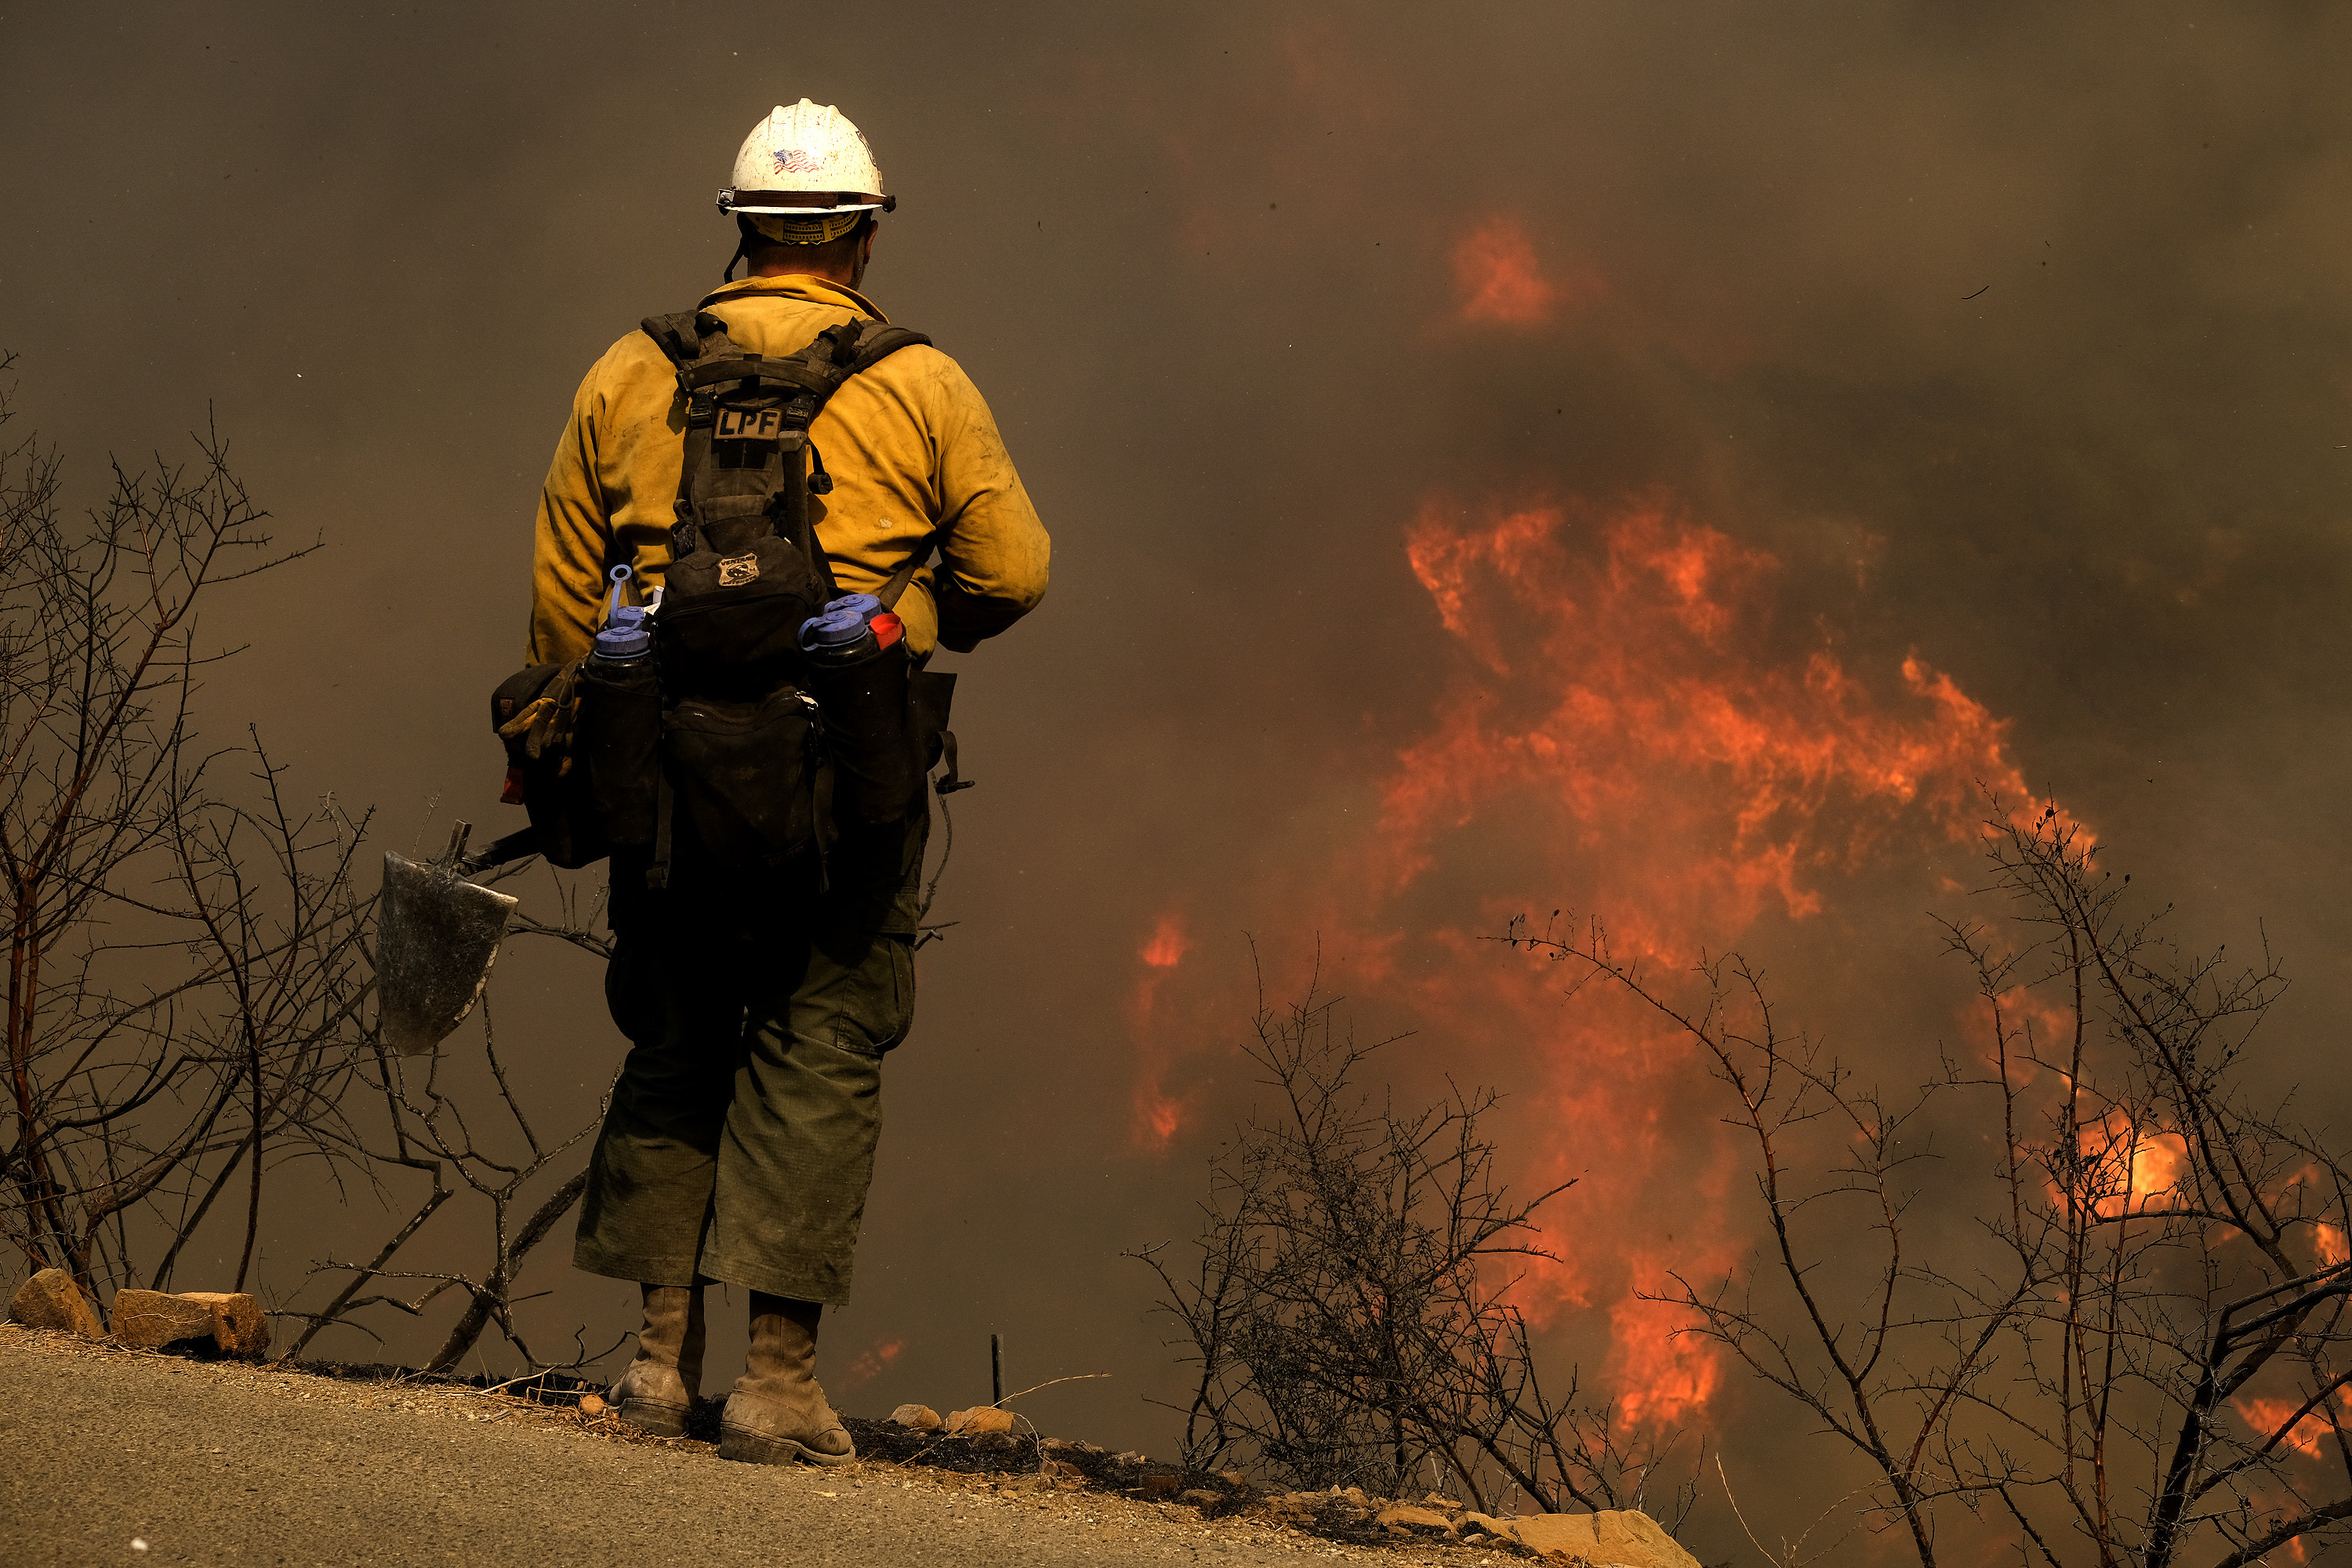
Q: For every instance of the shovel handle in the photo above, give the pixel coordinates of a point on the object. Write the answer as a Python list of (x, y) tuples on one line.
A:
[(513, 847)]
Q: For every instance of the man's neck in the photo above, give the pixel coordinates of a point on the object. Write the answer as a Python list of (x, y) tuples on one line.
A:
[(783, 270)]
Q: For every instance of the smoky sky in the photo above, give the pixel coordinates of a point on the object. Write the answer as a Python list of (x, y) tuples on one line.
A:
[(2020, 337)]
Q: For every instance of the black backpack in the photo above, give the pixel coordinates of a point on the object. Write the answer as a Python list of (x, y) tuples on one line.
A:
[(727, 734)]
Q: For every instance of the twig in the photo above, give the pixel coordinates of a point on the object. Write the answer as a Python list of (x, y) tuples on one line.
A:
[(1079, 1377)]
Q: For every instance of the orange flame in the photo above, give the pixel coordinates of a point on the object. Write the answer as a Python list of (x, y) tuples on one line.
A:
[(2157, 1160), (872, 1361), (1169, 944), (1157, 1114), (1628, 691), (1625, 716), (1663, 1377), (2139, 1164), (1500, 283), (2267, 1415)]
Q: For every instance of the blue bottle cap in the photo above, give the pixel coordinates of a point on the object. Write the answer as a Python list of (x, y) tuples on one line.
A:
[(618, 642), (867, 605), (625, 636), (832, 631)]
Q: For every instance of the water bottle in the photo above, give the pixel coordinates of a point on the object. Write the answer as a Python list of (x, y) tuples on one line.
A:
[(857, 661), (618, 728)]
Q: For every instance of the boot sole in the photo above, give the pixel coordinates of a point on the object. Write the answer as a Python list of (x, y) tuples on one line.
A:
[(655, 1417), (760, 1448)]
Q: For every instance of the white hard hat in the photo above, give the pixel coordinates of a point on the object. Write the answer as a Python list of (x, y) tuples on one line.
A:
[(805, 159)]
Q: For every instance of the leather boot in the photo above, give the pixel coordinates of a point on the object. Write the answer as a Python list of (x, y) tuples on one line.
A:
[(658, 1388), (777, 1412)]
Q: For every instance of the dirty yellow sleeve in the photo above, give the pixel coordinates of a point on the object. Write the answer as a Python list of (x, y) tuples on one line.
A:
[(568, 556)]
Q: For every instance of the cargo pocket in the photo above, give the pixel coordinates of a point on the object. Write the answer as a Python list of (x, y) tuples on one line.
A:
[(878, 1007), (743, 772), (633, 991)]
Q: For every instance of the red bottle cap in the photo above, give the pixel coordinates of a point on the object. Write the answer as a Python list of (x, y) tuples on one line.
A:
[(513, 795), (887, 629)]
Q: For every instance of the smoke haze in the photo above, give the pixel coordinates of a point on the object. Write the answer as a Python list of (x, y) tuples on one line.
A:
[(1654, 461)]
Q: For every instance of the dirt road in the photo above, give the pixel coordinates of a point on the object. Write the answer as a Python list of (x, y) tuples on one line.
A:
[(120, 1456)]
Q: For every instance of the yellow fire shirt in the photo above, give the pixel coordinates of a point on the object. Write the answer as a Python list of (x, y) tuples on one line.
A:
[(910, 443)]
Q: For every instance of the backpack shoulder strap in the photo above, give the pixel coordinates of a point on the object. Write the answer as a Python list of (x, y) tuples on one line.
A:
[(880, 344), (897, 586), (697, 344), (857, 351), (838, 353), (675, 335)]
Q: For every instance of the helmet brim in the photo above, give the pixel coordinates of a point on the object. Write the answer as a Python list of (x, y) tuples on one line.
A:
[(804, 204)]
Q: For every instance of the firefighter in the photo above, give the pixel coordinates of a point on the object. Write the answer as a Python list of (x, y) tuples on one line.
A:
[(759, 1007)]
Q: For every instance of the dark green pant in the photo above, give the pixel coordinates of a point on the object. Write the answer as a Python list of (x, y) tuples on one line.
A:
[(740, 1140)]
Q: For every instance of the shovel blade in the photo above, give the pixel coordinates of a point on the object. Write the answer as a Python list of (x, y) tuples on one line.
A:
[(437, 936)]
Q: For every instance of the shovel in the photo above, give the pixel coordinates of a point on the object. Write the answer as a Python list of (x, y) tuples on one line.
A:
[(436, 935)]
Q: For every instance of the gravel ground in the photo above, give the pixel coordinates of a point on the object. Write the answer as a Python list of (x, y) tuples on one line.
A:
[(109, 1455)]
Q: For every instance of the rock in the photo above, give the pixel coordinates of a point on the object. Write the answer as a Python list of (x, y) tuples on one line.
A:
[(997, 1442), (240, 1325), (1201, 1497), (1622, 1536), (591, 1406), (1409, 1516), (917, 1417), (1129, 1457), (50, 1300), (150, 1319), (1062, 1470), (978, 1419), (1159, 1486), (1233, 1478)]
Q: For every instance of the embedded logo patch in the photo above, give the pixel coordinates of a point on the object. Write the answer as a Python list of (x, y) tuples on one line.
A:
[(749, 425), (734, 571)]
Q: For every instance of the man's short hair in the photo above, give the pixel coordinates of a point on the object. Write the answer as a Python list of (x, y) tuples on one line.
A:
[(821, 255)]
